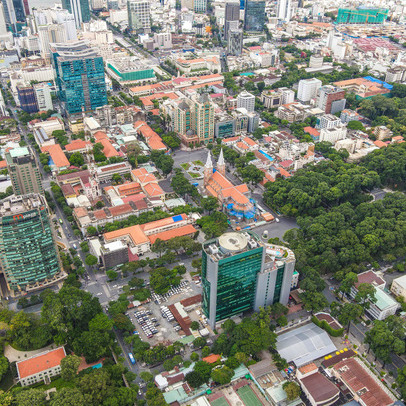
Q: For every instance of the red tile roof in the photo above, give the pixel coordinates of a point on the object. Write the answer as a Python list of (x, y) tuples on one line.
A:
[(57, 155), (211, 359), (3, 164), (359, 380), (176, 232), (40, 362), (108, 149), (76, 145)]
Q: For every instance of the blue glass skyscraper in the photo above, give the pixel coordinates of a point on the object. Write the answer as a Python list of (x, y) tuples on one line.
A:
[(79, 73)]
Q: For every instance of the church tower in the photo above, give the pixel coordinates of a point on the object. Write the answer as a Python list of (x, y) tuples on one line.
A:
[(221, 165), (208, 169)]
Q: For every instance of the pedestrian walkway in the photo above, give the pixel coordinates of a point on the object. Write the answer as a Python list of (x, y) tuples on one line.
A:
[(15, 355)]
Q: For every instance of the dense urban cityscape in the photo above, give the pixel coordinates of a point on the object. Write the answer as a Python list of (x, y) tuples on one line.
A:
[(202, 203)]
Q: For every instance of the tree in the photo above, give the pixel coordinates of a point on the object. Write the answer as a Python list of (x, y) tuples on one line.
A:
[(348, 282), (3, 366), (206, 351), (95, 387), (68, 397), (146, 376), (278, 310), (194, 356), (122, 322), (69, 367), (349, 312), (365, 295), (116, 178), (91, 260), (6, 398), (401, 381), (199, 342), (292, 390), (92, 345), (251, 174), (355, 125), (209, 203), (112, 274), (76, 159), (314, 301), (91, 231), (194, 325), (101, 322), (31, 397), (222, 375)]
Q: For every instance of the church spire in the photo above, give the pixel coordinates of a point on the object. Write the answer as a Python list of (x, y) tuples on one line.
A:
[(221, 158), (209, 163)]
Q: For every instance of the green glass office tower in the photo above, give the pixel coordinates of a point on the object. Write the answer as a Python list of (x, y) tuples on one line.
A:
[(79, 73), (254, 15), (240, 273), (28, 254), (80, 10)]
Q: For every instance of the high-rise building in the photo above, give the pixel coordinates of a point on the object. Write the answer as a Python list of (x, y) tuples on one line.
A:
[(26, 97), (79, 73), (254, 15), (241, 273), (28, 255), (43, 96), (308, 88), (80, 10), (139, 16), (19, 10), (284, 10), (9, 14), (3, 23), (199, 6), (194, 119), (246, 100), (203, 117), (331, 99), (231, 17), (234, 42), (24, 172), (362, 15)]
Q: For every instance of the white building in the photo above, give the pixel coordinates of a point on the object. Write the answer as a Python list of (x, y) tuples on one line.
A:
[(119, 16), (139, 15), (308, 89), (398, 287), (43, 96), (246, 100), (40, 367), (163, 40), (328, 121), (284, 10), (333, 134), (384, 305)]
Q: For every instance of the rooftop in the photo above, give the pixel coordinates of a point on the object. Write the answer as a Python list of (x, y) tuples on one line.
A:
[(13, 205), (304, 344), (362, 382), (40, 362), (320, 388)]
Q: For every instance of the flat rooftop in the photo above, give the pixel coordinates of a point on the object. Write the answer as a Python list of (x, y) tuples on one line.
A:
[(19, 204)]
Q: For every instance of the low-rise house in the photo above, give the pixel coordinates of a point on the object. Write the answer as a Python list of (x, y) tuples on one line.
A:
[(40, 367), (398, 287)]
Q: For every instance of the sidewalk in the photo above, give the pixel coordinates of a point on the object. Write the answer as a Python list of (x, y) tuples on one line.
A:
[(15, 355)]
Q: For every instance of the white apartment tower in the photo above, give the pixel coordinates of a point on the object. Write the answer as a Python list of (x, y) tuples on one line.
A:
[(139, 16), (308, 89), (284, 10), (246, 100)]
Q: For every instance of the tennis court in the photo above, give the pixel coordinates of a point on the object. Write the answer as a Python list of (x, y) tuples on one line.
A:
[(219, 402), (248, 396)]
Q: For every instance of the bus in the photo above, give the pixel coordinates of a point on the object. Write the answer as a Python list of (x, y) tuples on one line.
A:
[(131, 357)]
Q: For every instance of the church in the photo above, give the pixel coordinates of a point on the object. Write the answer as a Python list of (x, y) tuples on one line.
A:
[(234, 200)]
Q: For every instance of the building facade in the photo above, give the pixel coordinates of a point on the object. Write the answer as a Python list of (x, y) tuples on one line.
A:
[(308, 89), (199, 6), (26, 97), (254, 15), (43, 96), (28, 254), (24, 172), (234, 41), (331, 99), (80, 10), (240, 273), (284, 10), (231, 17), (79, 75), (139, 16), (246, 100)]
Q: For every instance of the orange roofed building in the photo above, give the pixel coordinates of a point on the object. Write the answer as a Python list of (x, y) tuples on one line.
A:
[(233, 199), (40, 367), (59, 160)]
